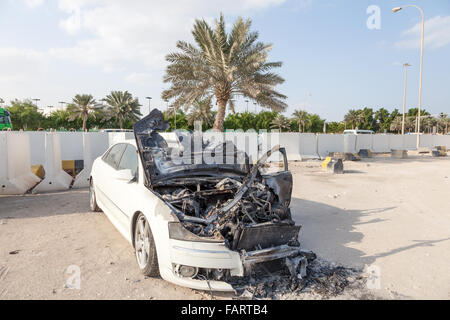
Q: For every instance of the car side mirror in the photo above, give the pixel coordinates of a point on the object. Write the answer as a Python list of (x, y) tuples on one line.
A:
[(124, 175)]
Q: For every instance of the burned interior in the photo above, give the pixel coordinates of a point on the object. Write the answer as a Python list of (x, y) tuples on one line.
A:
[(236, 203)]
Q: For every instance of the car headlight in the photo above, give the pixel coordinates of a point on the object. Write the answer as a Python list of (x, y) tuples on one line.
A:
[(178, 232)]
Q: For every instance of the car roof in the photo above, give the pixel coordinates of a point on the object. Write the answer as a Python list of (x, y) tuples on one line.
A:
[(129, 141)]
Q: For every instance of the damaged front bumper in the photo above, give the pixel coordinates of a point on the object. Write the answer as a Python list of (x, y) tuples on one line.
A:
[(216, 257)]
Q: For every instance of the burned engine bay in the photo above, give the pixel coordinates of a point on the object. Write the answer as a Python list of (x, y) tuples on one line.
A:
[(250, 212)]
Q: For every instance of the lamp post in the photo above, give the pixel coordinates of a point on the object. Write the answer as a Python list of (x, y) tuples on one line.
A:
[(247, 105), (406, 65), (36, 102), (149, 99), (396, 9)]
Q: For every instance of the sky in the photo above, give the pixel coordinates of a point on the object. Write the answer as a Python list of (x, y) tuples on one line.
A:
[(337, 55)]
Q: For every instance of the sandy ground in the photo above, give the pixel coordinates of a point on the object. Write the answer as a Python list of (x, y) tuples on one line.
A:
[(390, 215)]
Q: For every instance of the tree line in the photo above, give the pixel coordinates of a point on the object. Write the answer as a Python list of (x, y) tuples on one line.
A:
[(219, 66), (121, 110)]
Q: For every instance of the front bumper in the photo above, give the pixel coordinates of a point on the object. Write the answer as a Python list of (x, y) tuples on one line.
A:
[(218, 256)]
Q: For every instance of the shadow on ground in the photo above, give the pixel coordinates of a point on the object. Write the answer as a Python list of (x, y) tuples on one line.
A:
[(56, 203), (329, 231)]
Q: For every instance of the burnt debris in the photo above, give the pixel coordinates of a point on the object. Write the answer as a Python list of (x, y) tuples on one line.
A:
[(323, 280)]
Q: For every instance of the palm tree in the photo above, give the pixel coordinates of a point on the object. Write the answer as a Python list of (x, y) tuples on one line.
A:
[(443, 122), (201, 111), (280, 122), (396, 124), (410, 123), (81, 107), (223, 65), (302, 118), (122, 106), (353, 116)]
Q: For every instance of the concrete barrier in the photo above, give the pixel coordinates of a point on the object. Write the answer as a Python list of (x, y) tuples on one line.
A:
[(410, 142), (55, 178), (349, 143), (94, 145), (291, 142), (427, 141), (308, 146), (15, 168), (266, 142), (364, 142), (380, 143), (441, 140), (247, 141), (396, 142), (328, 143)]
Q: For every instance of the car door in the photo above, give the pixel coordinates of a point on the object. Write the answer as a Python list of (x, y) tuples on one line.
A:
[(125, 188), (104, 177)]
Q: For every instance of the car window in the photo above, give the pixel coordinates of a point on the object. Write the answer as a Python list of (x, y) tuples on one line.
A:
[(114, 155), (129, 160)]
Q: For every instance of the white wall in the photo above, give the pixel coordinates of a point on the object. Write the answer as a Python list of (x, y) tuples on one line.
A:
[(20, 150)]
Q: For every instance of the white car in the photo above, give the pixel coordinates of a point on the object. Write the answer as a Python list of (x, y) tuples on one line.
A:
[(197, 225)]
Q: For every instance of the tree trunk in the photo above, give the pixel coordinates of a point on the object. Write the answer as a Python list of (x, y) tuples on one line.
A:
[(220, 117), (84, 121), (120, 123)]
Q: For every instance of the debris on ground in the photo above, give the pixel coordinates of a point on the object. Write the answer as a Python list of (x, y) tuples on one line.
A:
[(14, 252), (323, 280)]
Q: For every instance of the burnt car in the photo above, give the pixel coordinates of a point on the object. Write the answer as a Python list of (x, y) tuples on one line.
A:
[(198, 213)]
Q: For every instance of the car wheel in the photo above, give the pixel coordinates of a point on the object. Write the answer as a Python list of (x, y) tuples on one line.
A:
[(92, 198), (145, 248)]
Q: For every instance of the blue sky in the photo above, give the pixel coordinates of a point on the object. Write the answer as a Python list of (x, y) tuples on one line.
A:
[(54, 49)]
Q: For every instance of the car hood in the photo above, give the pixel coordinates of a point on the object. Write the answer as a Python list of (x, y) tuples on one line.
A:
[(163, 162)]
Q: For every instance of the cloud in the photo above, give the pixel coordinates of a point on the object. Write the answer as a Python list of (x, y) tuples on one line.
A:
[(139, 78), (34, 3), (18, 64), (114, 33), (437, 34), (127, 40)]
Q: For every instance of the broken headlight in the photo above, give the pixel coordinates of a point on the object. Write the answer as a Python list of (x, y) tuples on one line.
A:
[(178, 232)]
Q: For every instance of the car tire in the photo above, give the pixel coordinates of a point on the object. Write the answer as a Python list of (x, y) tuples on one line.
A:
[(145, 249), (92, 198)]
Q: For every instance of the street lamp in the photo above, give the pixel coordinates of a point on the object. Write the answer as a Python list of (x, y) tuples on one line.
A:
[(405, 65), (247, 105), (149, 99), (36, 101), (396, 9)]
